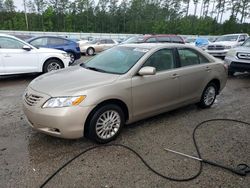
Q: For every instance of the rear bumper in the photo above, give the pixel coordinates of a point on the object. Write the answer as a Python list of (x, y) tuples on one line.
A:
[(78, 55)]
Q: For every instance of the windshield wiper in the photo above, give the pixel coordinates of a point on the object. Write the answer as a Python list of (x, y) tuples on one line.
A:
[(95, 69)]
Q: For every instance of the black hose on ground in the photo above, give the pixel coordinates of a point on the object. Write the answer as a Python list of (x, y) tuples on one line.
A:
[(153, 170)]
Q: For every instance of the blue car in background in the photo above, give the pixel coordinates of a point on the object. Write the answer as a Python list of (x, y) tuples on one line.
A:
[(201, 42), (60, 43)]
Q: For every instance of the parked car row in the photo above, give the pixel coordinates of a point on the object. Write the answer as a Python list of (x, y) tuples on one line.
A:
[(18, 56)]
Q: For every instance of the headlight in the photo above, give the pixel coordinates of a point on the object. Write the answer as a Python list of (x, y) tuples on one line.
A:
[(228, 47), (65, 54), (59, 102), (243, 55)]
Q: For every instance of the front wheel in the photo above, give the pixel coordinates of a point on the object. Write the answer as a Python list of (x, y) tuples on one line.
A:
[(106, 123), (208, 96), (72, 58), (51, 65)]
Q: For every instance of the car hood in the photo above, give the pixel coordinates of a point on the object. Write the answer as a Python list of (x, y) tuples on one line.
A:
[(71, 81), (225, 43), (49, 50), (242, 49)]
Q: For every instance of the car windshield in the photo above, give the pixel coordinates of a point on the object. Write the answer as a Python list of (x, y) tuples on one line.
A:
[(227, 38), (246, 43), (117, 60)]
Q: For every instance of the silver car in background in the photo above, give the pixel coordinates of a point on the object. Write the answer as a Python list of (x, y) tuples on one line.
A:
[(122, 85), (238, 59)]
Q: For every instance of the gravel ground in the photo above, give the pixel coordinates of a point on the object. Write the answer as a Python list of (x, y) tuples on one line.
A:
[(27, 157)]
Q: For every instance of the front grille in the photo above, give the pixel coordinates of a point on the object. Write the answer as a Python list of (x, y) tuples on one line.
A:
[(216, 47), (32, 99)]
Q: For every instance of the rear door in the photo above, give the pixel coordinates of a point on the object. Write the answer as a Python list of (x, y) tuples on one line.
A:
[(154, 93), (194, 75), (15, 59), (109, 44), (56, 43)]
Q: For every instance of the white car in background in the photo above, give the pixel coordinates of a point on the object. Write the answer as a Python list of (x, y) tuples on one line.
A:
[(224, 43), (17, 56), (238, 59)]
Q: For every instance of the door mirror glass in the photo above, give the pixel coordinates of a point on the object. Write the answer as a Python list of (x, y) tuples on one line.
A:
[(26, 47), (147, 71)]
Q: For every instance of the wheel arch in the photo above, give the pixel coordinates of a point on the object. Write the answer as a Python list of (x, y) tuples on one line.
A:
[(217, 83), (51, 58), (117, 102)]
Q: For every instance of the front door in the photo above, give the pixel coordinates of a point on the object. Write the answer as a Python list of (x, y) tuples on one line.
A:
[(15, 59), (155, 93)]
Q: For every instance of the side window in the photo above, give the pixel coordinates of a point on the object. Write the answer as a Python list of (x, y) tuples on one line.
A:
[(103, 42), (39, 42), (164, 39), (9, 43), (151, 40), (242, 38), (188, 57), (56, 41), (110, 41), (161, 60)]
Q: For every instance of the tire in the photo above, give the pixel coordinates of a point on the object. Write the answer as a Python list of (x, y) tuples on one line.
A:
[(90, 51), (101, 128), (52, 64), (231, 73), (72, 58), (208, 96)]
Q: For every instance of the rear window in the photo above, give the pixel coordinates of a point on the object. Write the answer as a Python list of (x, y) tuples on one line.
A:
[(176, 39)]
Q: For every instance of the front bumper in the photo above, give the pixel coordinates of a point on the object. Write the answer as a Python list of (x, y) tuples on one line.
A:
[(217, 53), (65, 122), (235, 64)]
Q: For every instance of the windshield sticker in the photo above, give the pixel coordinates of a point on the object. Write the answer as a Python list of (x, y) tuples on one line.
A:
[(143, 50)]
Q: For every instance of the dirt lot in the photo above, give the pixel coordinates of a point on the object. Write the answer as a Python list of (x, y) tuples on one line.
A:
[(27, 157)]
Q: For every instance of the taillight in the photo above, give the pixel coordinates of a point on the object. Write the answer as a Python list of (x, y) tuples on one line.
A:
[(225, 65)]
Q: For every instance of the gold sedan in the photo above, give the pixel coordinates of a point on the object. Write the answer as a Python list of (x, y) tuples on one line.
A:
[(119, 86)]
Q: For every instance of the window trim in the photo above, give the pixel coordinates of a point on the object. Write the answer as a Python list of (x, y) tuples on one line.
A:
[(174, 58), (193, 50)]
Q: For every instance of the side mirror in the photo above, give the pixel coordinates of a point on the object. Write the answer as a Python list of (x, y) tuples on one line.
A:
[(26, 47), (241, 40), (147, 71), (98, 43)]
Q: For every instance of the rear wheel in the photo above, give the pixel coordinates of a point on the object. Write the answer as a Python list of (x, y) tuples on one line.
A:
[(106, 123), (208, 96), (90, 51), (51, 65)]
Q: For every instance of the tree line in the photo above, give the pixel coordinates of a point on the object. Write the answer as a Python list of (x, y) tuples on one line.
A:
[(127, 16)]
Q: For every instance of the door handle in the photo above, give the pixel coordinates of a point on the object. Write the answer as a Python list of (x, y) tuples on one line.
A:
[(208, 69), (175, 75), (7, 55)]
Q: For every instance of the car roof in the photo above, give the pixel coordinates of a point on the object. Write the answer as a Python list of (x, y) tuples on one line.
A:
[(236, 34), (154, 45), (6, 35)]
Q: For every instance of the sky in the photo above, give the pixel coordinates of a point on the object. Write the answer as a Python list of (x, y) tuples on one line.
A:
[(19, 5)]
